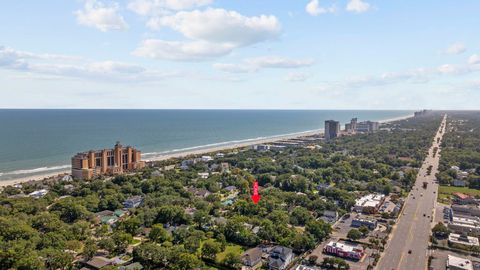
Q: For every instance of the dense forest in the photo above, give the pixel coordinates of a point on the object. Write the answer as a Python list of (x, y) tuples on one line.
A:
[(178, 228), (460, 156)]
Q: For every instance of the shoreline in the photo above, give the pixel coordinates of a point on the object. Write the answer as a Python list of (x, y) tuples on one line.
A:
[(214, 147)]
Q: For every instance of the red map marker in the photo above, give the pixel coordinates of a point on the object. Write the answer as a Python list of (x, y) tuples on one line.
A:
[(255, 196)]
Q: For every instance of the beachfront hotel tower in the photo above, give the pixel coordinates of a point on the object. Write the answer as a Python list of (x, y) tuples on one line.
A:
[(332, 129), (94, 163)]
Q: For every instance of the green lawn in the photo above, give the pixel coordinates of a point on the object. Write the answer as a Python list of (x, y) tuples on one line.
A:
[(136, 242), (445, 192), (230, 248), (466, 190)]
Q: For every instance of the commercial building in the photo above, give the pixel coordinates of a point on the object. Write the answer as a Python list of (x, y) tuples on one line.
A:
[(94, 163), (344, 250), (462, 239), (461, 225), (332, 129), (465, 210), (462, 198), (421, 113), (367, 126), (457, 263), (359, 222), (369, 203), (352, 126)]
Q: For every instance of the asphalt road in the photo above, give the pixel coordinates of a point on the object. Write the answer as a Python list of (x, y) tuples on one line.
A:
[(413, 229)]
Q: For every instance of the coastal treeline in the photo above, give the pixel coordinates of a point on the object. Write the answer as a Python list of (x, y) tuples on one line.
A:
[(190, 222)]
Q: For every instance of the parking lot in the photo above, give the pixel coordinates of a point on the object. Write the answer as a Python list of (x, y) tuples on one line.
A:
[(439, 260), (340, 231)]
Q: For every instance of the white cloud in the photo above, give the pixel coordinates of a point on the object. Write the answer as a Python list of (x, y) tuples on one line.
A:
[(415, 76), (255, 64), (279, 62), (474, 59), (162, 7), (103, 17), (358, 6), (456, 48), (296, 77), (313, 8), (221, 26), (210, 33), (181, 50), (454, 69), (234, 68), (77, 67)]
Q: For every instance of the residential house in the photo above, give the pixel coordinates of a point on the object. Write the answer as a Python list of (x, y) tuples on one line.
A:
[(37, 194), (231, 189), (133, 202), (206, 158), (329, 216), (199, 192), (280, 257), (252, 257), (98, 262), (203, 175)]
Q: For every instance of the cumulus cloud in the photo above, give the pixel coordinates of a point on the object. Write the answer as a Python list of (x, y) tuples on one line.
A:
[(358, 6), (77, 67), (221, 26), (101, 16), (313, 8), (210, 33), (456, 48), (255, 64), (474, 59), (162, 7)]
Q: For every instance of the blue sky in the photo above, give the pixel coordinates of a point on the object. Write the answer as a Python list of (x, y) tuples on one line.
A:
[(240, 54)]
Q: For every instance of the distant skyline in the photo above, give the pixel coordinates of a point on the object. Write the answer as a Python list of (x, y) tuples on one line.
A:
[(240, 54)]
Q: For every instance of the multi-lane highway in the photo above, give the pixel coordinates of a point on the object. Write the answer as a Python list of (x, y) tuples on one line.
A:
[(408, 246)]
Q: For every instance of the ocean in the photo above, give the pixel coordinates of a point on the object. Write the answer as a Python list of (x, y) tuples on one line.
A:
[(36, 142)]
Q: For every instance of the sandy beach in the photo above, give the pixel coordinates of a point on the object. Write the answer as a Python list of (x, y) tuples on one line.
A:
[(197, 151)]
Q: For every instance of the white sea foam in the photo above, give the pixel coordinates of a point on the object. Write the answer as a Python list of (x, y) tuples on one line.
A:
[(36, 170)]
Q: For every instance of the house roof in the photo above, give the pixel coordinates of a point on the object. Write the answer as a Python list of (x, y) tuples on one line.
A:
[(98, 262), (461, 196), (281, 250), (252, 254), (104, 213)]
